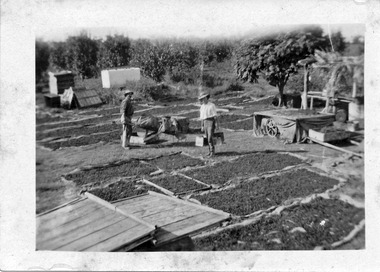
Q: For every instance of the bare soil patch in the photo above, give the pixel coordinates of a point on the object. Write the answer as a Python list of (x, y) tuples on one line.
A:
[(84, 121), (171, 110), (83, 130), (240, 125), (226, 118), (85, 140)]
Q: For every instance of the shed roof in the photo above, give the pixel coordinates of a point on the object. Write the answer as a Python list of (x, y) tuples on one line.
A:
[(87, 98)]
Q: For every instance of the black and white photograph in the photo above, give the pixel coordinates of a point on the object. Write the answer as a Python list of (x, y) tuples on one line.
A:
[(189, 135)]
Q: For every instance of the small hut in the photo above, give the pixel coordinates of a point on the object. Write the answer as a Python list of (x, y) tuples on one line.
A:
[(59, 82)]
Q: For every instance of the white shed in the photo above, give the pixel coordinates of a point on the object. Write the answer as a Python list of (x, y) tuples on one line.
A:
[(119, 77), (59, 82)]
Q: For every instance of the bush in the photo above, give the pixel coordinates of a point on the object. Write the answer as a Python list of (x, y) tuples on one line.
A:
[(235, 86)]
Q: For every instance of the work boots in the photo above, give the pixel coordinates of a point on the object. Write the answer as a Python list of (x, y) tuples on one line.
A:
[(211, 151)]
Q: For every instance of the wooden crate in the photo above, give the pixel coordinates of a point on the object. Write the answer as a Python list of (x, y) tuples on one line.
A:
[(328, 136), (52, 100), (202, 141)]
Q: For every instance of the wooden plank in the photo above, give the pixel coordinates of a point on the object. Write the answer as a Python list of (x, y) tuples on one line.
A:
[(132, 199), (135, 201), (124, 238), (174, 215), (78, 199), (112, 207), (335, 147), (67, 208), (67, 218), (205, 208), (137, 208), (184, 227), (154, 209), (78, 232), (99, 234), (168, 238), (166, 191), (101, 214), (115, 202)]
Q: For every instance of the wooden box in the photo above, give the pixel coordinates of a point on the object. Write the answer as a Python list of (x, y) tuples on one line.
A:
[(202, 141), (52, 100), (329, 135)]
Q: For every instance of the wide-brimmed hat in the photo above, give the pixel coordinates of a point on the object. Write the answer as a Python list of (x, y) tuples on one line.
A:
[(126, 92), (203, 95)]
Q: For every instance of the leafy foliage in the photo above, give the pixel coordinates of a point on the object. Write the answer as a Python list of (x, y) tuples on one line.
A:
[(42, 58), (275, 57), (78, 54), (58, 55), (151, 58), (82, 55), (337, 41), (114, 52)]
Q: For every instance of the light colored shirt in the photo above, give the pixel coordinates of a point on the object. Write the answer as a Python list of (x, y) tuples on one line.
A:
[(207, 111)]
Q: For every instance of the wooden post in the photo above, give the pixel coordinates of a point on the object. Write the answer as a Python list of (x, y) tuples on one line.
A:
[(354, 88), (305, 87)]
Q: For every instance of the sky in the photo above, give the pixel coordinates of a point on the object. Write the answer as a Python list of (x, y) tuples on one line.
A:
[(56, 20)]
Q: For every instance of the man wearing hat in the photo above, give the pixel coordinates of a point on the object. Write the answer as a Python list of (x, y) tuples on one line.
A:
[(209, 120), (126, 110)]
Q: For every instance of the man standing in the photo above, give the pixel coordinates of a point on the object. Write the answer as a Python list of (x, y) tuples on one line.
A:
[(209, 120), (126, 110)]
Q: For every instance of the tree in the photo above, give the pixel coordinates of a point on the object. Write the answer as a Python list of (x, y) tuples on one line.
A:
[(114, 52), (58, 55), (152, 58), (337, 42), (42, 58), (223, 50), (81, 57), (275, 57)]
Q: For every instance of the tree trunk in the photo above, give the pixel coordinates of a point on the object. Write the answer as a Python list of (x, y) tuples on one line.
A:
[(281, 98)]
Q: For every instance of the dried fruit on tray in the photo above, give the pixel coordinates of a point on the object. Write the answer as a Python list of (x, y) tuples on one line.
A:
[(178, 184), (261, 194), (123, 189), (127, 169), (318, 223), (252, 164), (176, 161)]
